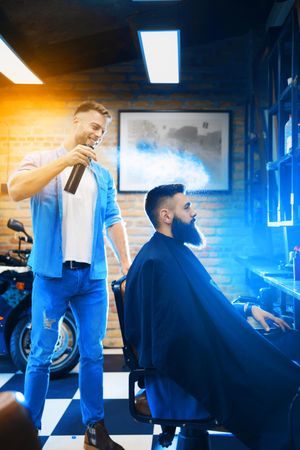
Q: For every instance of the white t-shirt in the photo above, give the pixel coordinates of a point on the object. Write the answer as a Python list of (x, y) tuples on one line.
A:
[(78, 217)]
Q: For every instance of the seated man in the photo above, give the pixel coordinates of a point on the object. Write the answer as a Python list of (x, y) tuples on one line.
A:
[(209, 360)]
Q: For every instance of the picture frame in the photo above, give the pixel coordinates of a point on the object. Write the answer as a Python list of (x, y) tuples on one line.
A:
[(162, 147)]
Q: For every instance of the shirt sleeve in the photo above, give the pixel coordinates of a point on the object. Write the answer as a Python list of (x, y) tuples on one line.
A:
[(240, 308), (112, 214), (31, 161)]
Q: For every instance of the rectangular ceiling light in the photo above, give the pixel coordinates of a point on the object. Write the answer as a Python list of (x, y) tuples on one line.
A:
[(161, 54), (13, 67)]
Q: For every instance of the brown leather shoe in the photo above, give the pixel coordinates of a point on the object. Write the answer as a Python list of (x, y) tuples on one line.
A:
[(141, 403), (97, 438)]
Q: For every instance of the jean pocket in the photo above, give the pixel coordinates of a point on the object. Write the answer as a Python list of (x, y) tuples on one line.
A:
[(45, 277)]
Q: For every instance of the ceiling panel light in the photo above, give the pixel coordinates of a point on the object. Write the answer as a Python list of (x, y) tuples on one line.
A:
[(161, 53), (13, 67)]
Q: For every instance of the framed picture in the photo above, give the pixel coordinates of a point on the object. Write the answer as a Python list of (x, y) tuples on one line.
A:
[(162, 147)]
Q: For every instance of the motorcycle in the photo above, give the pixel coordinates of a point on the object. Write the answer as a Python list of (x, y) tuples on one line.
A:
[(16, 280)]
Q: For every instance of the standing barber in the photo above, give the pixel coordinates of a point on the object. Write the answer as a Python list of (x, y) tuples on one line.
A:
[(69, 262)]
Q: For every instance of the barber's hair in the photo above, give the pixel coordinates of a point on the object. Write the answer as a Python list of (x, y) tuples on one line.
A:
[(156, 196), (90, 105)]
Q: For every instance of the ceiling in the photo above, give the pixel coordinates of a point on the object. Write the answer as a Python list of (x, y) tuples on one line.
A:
[(60, 36)]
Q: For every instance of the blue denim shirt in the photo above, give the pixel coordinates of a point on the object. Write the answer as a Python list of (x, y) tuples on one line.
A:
[(46, 256)]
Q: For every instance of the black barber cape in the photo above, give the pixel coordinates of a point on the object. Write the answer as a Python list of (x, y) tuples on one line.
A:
[(182, 325)]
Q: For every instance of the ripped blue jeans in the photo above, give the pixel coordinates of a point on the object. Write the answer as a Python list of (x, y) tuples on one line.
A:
[(88, 301)]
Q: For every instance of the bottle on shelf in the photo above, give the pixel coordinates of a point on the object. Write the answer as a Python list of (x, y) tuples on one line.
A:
[(296, 264), (288, 136), (288, 142)]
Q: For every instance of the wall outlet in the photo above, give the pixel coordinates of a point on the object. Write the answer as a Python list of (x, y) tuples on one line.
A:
[(4, 189)]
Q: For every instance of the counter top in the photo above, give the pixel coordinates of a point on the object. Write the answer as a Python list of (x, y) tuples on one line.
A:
[(281, 279)]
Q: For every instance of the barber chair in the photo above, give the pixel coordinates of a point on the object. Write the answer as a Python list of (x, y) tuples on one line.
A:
[(17, 431), (294, 417), (193, 434)]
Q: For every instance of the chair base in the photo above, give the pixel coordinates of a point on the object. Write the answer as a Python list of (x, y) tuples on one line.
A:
[(193, 439), (165, 438)]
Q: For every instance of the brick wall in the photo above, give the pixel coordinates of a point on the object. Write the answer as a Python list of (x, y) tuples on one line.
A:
[(214, 77)]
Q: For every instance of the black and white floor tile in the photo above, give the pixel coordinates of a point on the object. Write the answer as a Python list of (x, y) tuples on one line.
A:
[(62, 428)]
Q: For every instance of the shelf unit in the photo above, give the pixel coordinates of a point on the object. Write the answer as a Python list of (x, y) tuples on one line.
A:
[(255, 147), (283, 168), (250, 140)]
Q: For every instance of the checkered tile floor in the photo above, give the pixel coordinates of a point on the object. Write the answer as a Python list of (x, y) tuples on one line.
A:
[(62, 428)]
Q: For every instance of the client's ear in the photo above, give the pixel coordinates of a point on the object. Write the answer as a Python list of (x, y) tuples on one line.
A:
[(166, 216)]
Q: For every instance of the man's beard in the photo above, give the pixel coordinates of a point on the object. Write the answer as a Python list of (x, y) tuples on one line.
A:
[(186, 232)]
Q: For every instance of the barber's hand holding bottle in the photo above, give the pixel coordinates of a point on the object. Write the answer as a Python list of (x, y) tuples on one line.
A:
[(81, 154)]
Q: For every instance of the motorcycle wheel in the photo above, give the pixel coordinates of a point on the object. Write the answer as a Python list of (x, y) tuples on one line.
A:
[(66, 353)]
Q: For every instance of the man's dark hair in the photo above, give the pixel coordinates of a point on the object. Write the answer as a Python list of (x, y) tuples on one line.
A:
[(90, 105), (156, 196)]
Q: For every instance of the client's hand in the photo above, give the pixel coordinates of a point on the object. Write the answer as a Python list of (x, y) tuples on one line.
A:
[(261, 315)]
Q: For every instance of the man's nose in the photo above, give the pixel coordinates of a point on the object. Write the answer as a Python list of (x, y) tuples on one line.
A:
[(194, 213)]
